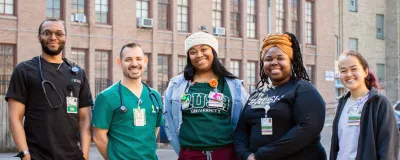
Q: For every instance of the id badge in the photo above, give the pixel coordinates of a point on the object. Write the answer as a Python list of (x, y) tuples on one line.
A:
[(216, 96), (215, 104), (354, 119), (72, 106), (266, 126), (185, 104), (139, 117)]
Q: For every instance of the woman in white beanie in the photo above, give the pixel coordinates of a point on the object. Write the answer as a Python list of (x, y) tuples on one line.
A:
[(202, 106)]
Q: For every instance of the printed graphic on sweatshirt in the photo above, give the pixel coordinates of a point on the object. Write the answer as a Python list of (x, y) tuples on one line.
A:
[(199, 104), (261, 99)]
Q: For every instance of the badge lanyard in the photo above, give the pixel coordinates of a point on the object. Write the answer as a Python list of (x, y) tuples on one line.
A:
[(354, 112)]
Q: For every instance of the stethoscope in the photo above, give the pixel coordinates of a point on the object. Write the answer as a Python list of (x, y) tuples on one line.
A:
[(74, 70), (152, 95)]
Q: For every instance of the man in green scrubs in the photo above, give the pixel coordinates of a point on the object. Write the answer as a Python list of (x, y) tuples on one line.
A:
[(127, 115)]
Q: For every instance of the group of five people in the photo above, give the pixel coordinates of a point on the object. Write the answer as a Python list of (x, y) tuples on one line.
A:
[(206, 111)]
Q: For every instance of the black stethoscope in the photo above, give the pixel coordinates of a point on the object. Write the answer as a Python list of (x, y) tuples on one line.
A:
[(152, 95), (74, 71)]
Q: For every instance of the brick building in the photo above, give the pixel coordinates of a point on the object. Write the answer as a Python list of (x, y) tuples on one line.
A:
[(373, 29), (97, 29)]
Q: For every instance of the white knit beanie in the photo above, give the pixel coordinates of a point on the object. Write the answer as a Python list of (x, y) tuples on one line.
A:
[(201, 38)]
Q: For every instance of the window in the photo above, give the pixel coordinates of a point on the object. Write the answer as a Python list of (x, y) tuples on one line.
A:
[(163, 73), (78, 56), (78, 7), (251, 76), (163, 14), (353, 44), (217, 13), (235, 18), (235, 70), (340, 91), (309, 22), (6, 67), (310, 72), (183, 10), (145, 77), (6, 6), (280, 19), (102, 11), (53, 9), (181, 63), (379, 26), (353, 5), (251, 19), (102, 80), (142, 9), (295, 18), (380, 72)]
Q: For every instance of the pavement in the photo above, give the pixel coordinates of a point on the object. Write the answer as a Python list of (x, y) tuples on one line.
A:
[(165, 152)]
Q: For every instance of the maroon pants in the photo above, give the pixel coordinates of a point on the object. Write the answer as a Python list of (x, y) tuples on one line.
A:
[(224, 153)]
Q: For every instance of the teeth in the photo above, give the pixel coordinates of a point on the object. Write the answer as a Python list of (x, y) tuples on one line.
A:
[(275, 71)]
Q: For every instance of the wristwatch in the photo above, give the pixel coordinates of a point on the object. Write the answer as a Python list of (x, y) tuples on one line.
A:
[(22, 154)]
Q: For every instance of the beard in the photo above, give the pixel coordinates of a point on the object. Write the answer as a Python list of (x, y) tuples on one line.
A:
[(130, 76), (48, 51)]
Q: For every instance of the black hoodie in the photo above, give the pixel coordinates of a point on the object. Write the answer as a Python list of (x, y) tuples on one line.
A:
[(379, 135), (298, 113)]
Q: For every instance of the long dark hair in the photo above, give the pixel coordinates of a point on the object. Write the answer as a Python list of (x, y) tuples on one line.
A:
[(216, 67), (298, 70), (370, 80)]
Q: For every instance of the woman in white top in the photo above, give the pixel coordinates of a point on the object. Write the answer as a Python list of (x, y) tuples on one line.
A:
[(364, 127)]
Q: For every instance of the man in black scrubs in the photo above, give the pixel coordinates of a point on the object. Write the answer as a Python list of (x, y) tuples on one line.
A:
[(53, 95)]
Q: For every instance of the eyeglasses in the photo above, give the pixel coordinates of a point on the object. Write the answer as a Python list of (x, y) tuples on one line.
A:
[(51, 84), (47, 34)]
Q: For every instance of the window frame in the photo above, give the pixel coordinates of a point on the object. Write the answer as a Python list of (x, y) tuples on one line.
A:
[(188, 15), (14, 9), (255, 20), (214, 19), (109, 68), (380, 36), (14, 62), (283, 19), (86, 59), (379, 73), (181, 57), (239, 22), (312, 23), (62, 11), (149, 9), (232, 70), (162, 90), (255, 74), (351, 40), (311, 68), (168, 20), (109, 13), (296, 28), (86, 8), (352, 8)]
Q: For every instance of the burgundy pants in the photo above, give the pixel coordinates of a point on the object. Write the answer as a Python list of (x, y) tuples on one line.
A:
[(224, 153)]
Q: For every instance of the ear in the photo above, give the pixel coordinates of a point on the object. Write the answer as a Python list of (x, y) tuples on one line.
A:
[(146, 60), (119, 61), (366, 72), (38, 38)]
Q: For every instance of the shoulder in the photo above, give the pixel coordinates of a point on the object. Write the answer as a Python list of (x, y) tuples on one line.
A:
[(110, 91), (155, 92), (235, 81), (303, 86), (178, 78)]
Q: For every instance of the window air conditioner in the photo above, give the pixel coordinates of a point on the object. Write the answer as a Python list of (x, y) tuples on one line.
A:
[(220, 31), (144, 22)]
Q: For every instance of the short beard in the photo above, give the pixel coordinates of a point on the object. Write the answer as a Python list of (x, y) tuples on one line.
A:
[(51, 52)]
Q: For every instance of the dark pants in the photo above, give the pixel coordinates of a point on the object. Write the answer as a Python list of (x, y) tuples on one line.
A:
[(224, 153)]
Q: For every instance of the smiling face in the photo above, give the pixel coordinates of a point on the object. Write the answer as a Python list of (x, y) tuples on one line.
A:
[(52, 37), (133, 62), (201, 57), (277, 66), (352, 74)]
